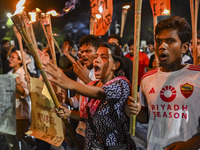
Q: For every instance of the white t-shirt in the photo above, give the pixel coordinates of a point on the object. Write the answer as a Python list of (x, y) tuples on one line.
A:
[(173, 99)]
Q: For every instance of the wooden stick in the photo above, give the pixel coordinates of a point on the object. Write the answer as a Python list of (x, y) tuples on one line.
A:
[(194, 16), (17, 22), (19, 38), (92, 22), (155, 21), (138, 7), (123, 20), (61, 53), (49, 33), (33, 35)]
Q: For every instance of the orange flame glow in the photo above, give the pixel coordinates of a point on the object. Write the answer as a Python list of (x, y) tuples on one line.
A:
[(67, 10), (126, 6), (19, 7), (32, 16), (52, 12), (98, 16), (38, 10)]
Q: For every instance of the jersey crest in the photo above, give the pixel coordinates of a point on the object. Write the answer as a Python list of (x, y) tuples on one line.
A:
[(187, 89)]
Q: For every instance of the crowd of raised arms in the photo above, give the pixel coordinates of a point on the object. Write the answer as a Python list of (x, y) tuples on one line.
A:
[(95, 78)]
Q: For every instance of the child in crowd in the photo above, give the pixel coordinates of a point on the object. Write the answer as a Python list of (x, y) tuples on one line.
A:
[(103, 108)]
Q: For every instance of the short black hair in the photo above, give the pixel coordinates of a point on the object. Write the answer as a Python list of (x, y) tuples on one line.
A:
[(176, 23), (150, 42), (71, 42), (92, 40), (4, 41), (130, 42), (115, 36)]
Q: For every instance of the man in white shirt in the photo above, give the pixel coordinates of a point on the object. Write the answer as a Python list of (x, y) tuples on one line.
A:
[(170, 94)]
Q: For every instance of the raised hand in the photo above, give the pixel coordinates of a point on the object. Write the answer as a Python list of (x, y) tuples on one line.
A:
[(82, 72)]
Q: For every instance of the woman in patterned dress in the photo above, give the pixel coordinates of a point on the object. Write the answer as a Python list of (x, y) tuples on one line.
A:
[(103, 107)]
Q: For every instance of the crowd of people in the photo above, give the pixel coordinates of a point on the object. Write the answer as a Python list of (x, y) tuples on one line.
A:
[(96, 81)]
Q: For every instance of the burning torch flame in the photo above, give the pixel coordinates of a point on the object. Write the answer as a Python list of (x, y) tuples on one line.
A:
[(38, 10), (52, 12), (98, 16), (166, 12), (32, 16), (19, 7), (126, 6)]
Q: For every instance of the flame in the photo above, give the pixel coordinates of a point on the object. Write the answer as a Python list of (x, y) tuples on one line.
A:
[(98, 16), (166, 12), (32, 16), (38, 10), (68, 9), (55, 34), (52, 12), (126, 6), (19, 7)]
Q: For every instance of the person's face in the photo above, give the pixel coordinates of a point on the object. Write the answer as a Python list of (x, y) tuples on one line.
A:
[(113, 40), (169, 48), (150, 47), (66, 47), (87, 54), (131, 49), (14, 60), (198, 47), (103, 63), (6, 45)]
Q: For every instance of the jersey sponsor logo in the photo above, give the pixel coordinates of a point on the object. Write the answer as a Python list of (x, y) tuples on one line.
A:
[(152, 90), (187, 89), (168, 93)]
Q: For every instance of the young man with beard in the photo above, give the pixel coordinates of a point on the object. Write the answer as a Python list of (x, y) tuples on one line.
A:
[(170, 94)]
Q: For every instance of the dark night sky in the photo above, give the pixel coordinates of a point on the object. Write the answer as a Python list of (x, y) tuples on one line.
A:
[(82, 12)]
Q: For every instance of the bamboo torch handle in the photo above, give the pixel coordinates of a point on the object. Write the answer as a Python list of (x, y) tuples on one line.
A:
[(194, 38), (61, 53), (138, 7), (19, 38)]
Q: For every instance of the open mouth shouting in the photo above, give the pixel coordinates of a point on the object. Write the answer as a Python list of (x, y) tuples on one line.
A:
[(163, 56), (96, 70)]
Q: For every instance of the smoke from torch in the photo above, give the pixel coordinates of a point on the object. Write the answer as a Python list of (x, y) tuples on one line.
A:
[(69, 5)]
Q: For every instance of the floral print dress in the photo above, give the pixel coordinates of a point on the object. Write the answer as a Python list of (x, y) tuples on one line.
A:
[(108, 116)]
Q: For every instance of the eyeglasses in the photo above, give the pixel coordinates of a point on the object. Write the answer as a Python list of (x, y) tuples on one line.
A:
[(11, 57)]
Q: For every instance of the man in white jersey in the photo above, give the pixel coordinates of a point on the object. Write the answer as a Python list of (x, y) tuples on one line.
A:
[(169, 95)]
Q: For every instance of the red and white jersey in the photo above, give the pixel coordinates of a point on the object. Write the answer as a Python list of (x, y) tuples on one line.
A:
[(173, 99)]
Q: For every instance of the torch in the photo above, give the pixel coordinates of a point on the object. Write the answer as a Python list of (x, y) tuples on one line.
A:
[(18, 22), (194, 18), (138, 7), (123, 18)]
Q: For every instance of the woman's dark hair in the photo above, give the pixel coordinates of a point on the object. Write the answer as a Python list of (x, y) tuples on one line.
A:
[(176, 23), (115, 52)]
